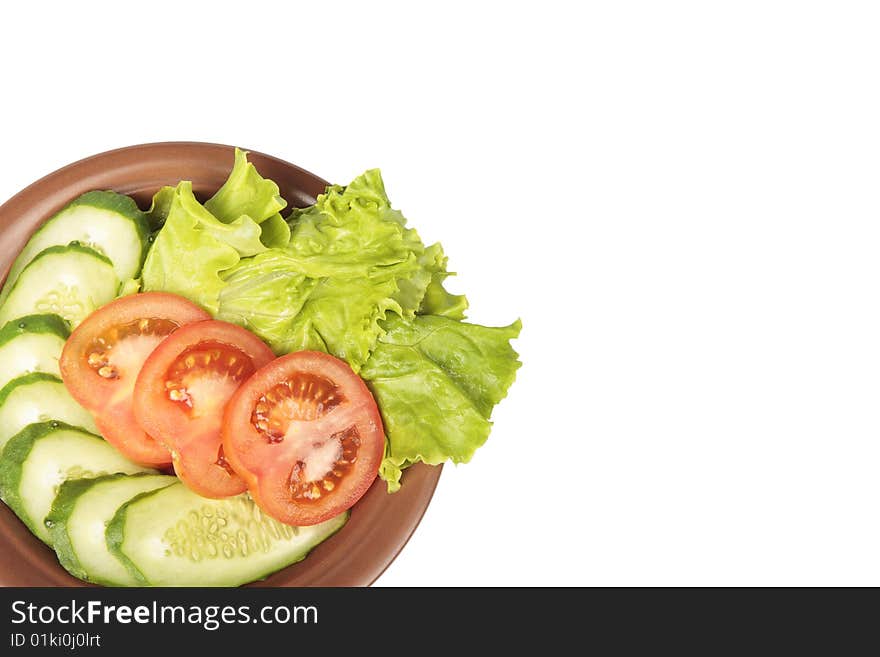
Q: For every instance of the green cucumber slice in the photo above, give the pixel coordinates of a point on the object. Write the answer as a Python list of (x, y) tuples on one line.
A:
[(78, 521), (39, 397), (31, 344), (107, 222), (70, 281), (173, 537), (41, 457)]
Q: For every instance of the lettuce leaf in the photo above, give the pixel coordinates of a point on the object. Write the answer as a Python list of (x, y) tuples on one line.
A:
[(355, 225), (245, 192), (436, 381), (350, 261), (158, 212), (275, 232), (273, 297), (295, 303), (438, 301), (193, 247)]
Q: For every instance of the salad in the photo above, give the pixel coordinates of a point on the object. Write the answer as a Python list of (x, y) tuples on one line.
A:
[(198, 393)]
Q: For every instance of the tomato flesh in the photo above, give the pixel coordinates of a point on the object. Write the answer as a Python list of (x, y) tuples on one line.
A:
[(305, 434), (181, 394), (319, 464), (103, 357), (204, 377), (119, 351)]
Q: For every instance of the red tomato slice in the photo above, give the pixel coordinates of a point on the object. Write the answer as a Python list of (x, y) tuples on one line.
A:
[(181, 394), (305, 434), (102, 357)]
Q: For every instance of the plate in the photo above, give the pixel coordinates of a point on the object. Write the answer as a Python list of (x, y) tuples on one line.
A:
[(380, 523)]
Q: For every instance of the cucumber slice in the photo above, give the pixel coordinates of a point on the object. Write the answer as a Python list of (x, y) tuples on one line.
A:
[(70, 281), (79, 518), (107, 222), (31, 344), (43, 456), (38, 397), (173, 537)]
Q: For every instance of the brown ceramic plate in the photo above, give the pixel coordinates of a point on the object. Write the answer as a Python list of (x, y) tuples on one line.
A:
[(380, 524)]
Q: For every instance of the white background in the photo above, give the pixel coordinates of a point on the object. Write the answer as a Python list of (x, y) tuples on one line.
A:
[(679, 199)]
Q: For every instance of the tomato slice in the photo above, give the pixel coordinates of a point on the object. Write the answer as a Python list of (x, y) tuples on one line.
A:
[(181, 394), (305, 434), (103, 356)]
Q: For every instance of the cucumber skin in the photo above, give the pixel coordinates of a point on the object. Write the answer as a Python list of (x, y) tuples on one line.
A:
[(115, 538), (62, 507), (37, 377), (14, 455), (113, 202), (10, 285), (64, 504), (27, 379), (16, 452), (52, 324), (102, 200), (74, 247), (66, 248)]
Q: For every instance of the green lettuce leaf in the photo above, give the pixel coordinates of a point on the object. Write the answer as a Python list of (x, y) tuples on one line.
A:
[(275, 232), (350, 261), (193, 247), (158, 212), (292, 311), (438, 301), (245, 192), (356, 223), (436, 381)]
